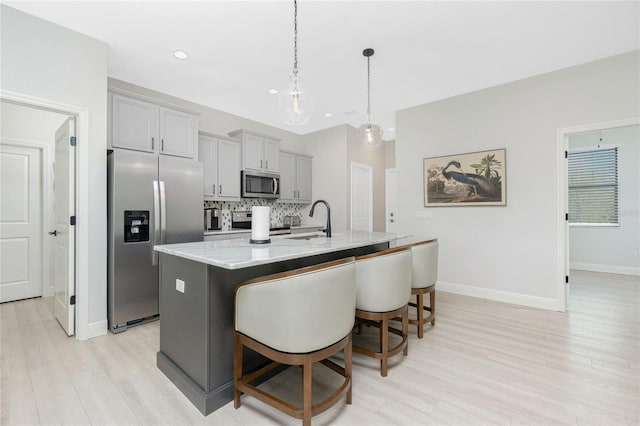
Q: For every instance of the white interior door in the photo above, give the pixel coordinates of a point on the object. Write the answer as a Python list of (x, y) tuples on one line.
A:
[(391, 189), (361, 197), (20, 222), (64, 252)]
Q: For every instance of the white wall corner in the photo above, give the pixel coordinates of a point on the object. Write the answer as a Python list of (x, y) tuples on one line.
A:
[(609, 269), (500, 296)]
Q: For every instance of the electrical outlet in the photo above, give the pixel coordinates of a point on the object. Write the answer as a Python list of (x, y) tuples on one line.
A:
[(180, 286)]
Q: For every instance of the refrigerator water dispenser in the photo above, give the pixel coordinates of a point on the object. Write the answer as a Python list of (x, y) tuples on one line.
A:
[(136, 226)]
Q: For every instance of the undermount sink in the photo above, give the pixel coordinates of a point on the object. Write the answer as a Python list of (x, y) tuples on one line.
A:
[(306, 237)]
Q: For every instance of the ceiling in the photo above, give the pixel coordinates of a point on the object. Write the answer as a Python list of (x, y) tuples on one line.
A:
[(425, 50)]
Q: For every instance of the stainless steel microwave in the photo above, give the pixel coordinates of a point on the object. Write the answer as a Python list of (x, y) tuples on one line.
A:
[(260, 184)]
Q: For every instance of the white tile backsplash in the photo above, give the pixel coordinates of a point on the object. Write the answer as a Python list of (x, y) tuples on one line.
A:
[(278, 210)]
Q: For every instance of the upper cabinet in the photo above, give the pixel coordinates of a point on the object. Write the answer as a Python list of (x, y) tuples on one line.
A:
[(143, 126), (259, 152), (295, 178), (221, 160)]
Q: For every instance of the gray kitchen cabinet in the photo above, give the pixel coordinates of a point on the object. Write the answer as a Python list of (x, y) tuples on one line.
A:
[(259, 152), (295, 177), (221, 160), (143, 126)]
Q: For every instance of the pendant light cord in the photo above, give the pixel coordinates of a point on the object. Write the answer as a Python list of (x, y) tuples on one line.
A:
[(295, 37), (368, 90)]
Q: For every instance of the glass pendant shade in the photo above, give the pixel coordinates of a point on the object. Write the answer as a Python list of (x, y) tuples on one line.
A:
[(370, 135), (295, 103)]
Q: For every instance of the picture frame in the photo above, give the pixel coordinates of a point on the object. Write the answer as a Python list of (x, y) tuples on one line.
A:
[(470, 179)]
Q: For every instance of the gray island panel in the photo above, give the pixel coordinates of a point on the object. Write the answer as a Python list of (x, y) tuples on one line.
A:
[(196, 327)]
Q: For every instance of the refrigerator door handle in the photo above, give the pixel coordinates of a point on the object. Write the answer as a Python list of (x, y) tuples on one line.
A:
[(156, 222), (163, 214)]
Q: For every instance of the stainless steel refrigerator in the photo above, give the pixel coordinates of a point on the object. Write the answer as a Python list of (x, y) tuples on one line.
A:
[(152, 199)]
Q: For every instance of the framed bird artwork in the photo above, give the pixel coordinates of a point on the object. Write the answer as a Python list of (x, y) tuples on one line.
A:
[(471, 179)]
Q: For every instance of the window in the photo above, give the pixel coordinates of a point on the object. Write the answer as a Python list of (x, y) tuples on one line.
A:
[(593, 187)]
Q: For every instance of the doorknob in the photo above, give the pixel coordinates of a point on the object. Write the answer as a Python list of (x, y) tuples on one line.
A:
[(54, 233)]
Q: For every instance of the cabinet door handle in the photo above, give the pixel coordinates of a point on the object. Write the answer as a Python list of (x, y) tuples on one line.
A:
[(162, 144), (214, 189), (220, 192), (266, 164), (260, 163), (153, 145)]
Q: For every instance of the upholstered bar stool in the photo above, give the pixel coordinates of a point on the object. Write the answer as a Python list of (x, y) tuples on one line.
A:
[(425, 275), (383, 290), (297, 317)]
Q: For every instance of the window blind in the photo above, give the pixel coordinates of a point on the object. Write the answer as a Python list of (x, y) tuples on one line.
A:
[(593, 186)]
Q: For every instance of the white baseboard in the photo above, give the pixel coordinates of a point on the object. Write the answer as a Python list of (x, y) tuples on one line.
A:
[(500, 296), (609, 269), (98, 328)]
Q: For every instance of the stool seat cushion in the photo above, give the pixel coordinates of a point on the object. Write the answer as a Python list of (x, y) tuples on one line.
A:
[(425, 264), (299, 314), (383, 282)]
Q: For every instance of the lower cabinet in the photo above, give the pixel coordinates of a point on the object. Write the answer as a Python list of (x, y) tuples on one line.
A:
[(295, 177), (221, 159)]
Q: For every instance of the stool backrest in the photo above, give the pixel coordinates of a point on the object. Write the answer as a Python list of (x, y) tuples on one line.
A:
[(298, 311), (425, 263), (383, 280)]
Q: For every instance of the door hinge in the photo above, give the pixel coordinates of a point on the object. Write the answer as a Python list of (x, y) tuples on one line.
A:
[(566, 154), (566, 279), (72, 300), (72, 140), (72, 221), (566, 216)]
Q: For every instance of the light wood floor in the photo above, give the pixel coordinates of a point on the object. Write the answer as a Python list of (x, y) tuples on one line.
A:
[(483, 363)]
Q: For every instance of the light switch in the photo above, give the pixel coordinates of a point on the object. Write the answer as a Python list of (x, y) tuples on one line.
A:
[(180, 286)]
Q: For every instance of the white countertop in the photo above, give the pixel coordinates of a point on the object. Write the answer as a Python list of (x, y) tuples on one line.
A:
[(239, 253)]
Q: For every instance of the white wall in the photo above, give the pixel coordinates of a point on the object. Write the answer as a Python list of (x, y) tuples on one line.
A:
[(612, 249), (329, 150), (507, 253), (36, 127), (46, 61)]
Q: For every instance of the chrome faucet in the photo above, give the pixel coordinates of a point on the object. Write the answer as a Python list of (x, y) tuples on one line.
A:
[(328, 228)]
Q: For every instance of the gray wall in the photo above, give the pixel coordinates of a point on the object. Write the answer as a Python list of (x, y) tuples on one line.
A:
[(610, 249), (508, 253), (49, 62)]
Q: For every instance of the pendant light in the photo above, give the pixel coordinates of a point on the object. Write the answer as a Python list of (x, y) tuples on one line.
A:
[(369, 134), (295, 102)]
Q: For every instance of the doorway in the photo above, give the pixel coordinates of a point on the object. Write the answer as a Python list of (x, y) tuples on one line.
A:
[(32, 193), (361, 197), (597, 236)]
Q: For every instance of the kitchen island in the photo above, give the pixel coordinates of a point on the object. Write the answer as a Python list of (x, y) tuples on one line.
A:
[(197, 283)]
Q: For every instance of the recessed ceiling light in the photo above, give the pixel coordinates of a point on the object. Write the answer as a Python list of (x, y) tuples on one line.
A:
[(328, 114), (391, 129), (273, 91), (181, 54)]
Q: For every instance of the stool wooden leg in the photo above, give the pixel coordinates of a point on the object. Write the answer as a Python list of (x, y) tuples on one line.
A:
[(348, 355), (432, 304), (405, 330), (420, 310), (306, 392), (384, 346), (237, 369)]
